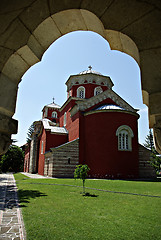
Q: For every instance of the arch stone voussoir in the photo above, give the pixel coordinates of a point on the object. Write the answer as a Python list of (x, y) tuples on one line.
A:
[(28, 55), (35, 47), (47, 32), (77, 19), (15, 67), (121, 42), (69, 21), (92, 22)]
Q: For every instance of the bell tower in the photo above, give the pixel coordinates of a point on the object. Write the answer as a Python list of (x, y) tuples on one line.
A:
[(51, 112)]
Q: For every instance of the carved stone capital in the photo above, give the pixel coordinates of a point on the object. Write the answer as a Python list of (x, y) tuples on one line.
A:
[(157, 136), (8, 126)]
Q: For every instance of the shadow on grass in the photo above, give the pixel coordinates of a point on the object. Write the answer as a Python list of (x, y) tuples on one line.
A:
[(25, 195), (89, 195)]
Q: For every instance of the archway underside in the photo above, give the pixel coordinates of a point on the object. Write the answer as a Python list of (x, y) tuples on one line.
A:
[(28, 28)]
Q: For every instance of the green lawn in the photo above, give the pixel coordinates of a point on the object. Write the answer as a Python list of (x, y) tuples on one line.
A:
[(53, 212)]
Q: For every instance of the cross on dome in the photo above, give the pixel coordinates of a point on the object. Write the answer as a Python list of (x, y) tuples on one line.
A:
[(90, 67), (53, 99)]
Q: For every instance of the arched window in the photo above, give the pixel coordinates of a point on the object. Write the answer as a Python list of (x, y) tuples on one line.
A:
[(42, 147), (54, 114), (65, 119), (97, 91), (81, 92), (124, 134)]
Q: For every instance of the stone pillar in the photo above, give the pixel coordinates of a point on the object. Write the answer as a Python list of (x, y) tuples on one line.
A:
[(8, 126), (33, 154), (157, 135)]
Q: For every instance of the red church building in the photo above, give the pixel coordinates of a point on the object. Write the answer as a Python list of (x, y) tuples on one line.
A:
[(95, 126)]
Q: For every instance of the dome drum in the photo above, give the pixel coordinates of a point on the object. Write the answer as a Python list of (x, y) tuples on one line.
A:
[(89, 78)]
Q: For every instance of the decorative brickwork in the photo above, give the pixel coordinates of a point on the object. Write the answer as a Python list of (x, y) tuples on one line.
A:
[(62, 160)]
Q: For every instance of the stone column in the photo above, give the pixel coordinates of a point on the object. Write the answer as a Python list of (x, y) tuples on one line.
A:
[(33, 154), (8, 126)]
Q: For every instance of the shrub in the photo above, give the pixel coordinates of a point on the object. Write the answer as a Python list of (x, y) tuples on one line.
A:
[(81, 172)]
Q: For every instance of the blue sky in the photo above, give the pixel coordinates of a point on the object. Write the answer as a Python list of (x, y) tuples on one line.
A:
[(70, 55)]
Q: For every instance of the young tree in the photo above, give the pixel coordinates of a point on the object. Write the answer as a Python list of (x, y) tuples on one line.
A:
[(12, 160), (81, 172)]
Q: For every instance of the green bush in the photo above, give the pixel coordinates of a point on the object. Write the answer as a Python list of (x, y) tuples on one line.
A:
[(12, 160)]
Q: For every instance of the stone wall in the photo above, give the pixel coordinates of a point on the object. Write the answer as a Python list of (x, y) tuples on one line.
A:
[(62, 160), (145, 169)]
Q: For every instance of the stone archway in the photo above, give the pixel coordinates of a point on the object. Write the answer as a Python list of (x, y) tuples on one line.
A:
[(30, 27)]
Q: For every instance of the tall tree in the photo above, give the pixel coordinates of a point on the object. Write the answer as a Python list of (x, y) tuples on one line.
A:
[(29, 133), (155, 159), (12, 160), (149, 143)]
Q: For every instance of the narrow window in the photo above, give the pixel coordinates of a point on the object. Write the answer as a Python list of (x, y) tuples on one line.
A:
[(127, 142), (68, 160), (120, 141), (97, 91), (123, 141), (81, 92), (42, 147), (54, 114), (65, 119)]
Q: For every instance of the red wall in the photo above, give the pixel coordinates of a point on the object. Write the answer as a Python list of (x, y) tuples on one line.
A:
[(99, 145), (72, 123), (54, 140), (27, 160)]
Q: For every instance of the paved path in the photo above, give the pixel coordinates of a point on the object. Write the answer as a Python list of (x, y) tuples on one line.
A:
[(11, 222), (31, 175)]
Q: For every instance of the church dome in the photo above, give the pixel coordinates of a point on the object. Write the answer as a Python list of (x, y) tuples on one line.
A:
[(89, 80), (109, 106), (52, 105)]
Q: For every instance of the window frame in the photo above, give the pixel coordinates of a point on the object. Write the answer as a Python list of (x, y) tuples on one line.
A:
[(42, 147), (96, 89), (79, 89), (125, 135), (56, 114)]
